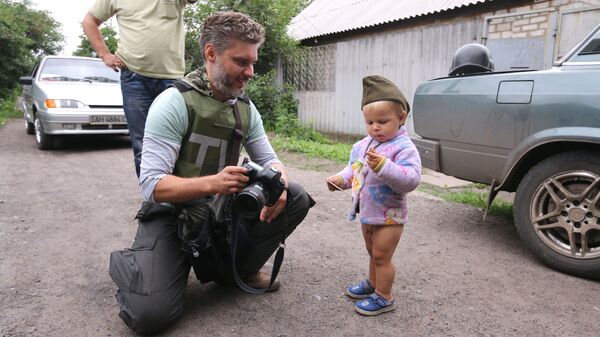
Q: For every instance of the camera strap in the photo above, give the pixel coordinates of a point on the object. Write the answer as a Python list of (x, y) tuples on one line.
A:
[(237, 137), (278, 255), (236, 226), (274, 271)]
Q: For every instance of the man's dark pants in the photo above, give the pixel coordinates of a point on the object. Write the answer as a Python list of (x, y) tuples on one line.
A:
[(152, 275), (138, 94)]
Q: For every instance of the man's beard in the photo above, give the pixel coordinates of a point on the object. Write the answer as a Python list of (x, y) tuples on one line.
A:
[(224, 84)]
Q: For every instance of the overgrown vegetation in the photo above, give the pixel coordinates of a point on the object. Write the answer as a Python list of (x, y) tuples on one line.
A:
[(8, 106), (26, 35), (273, 15), (271, 100), (279, 111)]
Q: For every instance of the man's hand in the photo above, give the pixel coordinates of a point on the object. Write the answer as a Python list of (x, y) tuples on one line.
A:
[(267, 214), (92, 31), (231, 179), (113, 61)]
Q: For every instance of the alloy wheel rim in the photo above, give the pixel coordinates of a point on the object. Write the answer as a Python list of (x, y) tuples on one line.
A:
[(38, 130), (564, 214)]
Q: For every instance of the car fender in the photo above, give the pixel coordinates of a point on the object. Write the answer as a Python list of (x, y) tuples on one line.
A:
[(539, 144)]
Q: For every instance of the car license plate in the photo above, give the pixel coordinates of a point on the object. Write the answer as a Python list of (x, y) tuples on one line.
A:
[(108, 119)]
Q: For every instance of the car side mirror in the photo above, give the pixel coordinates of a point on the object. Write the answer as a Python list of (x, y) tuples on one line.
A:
[(26, 80)]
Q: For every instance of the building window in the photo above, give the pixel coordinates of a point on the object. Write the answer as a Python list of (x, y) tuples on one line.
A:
[(311, 69)]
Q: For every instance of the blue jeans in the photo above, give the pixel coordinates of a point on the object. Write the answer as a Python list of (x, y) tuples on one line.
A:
[(138, 94)]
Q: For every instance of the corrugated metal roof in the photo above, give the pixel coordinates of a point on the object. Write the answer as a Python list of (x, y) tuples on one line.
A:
[(324, 17)]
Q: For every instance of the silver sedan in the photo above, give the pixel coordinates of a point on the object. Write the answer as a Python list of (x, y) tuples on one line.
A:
[(70, 95)]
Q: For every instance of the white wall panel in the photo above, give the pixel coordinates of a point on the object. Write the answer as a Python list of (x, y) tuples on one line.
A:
[(407, 57)]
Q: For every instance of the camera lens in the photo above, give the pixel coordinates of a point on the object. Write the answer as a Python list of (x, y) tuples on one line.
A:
[(250, 201)]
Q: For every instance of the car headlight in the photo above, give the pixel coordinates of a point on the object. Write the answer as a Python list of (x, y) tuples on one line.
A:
[(63, 103)]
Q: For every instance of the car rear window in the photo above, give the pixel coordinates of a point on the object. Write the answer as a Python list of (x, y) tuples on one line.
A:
[(591, 51), (57, 69)]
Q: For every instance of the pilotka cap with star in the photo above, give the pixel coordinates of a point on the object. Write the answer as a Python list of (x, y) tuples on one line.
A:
[(378, 88)]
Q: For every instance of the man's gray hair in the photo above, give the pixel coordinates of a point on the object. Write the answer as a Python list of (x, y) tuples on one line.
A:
[(221, 28)]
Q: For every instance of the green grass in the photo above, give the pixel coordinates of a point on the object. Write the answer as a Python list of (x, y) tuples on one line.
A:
[(479, 200), (475, 195), (8, 109), (337, 152)]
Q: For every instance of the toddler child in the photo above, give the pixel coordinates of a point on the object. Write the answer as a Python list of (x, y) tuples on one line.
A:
[(383, 168)]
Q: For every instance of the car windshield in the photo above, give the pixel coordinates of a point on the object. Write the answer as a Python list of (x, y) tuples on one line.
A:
[(77, 70), (591, 51)]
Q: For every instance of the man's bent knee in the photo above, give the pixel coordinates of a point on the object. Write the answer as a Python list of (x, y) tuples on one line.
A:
[(151, 276), (301, 202), (148, 314)]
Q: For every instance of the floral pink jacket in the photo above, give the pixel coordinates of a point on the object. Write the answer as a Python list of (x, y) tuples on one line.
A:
[(380, 197)]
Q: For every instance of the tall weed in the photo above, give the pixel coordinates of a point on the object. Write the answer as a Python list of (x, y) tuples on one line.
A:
[(8, 108)]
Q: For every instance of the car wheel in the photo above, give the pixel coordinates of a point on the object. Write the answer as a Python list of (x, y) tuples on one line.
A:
[(44, 141), (557, 212), (29, 127)]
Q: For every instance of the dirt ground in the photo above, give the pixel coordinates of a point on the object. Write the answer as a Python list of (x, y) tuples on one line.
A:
[(63, 211)]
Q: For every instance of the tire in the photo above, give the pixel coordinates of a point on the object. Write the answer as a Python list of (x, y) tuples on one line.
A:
[(558, 196), (43, 141), (29, 127)]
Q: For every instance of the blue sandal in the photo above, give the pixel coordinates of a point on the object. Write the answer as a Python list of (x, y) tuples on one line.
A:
[(363, 290), (374, 305)]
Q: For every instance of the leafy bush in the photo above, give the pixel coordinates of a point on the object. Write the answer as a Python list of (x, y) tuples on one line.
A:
[(8, 105), (273, 15), (271, 100), (279, 109), (25, 35)]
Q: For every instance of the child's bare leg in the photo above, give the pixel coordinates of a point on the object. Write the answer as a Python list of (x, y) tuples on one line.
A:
[(384, 242), (367, 231)]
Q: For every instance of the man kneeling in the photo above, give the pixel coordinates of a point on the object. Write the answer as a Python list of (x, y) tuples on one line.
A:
[(191, 145)]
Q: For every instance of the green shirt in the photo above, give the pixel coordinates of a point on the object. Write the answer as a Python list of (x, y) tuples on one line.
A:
[(151, 34)]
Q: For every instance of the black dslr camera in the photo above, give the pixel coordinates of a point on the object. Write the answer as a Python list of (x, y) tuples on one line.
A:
[(264, 188)]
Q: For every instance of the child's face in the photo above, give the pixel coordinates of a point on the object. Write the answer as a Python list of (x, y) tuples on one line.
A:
[(383, 119)]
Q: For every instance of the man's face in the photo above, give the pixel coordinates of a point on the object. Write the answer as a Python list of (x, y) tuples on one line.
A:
[(232, 69)]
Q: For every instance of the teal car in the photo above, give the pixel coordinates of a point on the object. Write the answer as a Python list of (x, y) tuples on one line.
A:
[(535, 133)]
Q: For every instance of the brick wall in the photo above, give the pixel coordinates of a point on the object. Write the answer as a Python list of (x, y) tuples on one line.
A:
[(533, 24)]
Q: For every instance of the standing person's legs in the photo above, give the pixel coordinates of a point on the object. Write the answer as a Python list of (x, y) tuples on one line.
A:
[(152, 275), (138, 94), (367, 232), (366, 286), (385, 239), (267, 236)]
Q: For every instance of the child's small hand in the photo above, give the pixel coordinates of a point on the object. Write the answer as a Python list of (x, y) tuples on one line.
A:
[(374, 158), (334, 183)]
